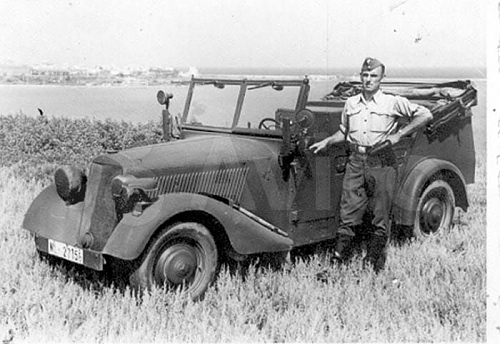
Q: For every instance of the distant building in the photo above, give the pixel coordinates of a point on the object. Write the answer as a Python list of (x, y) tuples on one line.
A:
[(48, 74), (162, 73)]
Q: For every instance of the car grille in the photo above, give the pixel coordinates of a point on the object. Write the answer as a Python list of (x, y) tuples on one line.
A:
[(99, 216), (227, 183)]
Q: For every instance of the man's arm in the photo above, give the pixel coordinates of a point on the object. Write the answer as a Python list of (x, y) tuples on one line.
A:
[(419, 118), (338, 137)]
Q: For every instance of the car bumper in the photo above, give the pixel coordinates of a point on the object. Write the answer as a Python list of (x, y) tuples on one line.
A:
[(85, 257)]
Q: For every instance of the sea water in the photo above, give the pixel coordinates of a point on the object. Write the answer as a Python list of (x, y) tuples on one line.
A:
[(139, 104)]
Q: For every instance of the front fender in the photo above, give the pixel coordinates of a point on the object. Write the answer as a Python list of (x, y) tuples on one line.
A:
[(49, 216), (411, 188), (246, 236)]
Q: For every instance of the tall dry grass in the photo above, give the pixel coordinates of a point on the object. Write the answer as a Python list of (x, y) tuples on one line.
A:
[(431, 291)]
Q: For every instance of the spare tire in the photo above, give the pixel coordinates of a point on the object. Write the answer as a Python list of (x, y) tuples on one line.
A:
[(70, 183)]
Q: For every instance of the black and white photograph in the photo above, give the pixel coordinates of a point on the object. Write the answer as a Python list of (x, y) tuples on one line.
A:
[(249, 171)]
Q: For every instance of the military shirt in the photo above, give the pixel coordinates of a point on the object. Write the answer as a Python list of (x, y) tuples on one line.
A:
[(370, 122)]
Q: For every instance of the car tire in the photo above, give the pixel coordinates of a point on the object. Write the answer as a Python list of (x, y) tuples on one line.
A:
[(435, 209), (183, 255)]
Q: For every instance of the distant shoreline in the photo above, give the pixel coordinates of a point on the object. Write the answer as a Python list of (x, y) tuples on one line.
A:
[(312, 77), (154, 78)]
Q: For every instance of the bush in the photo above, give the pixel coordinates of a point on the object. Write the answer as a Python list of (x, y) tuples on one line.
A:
[(35, 147)]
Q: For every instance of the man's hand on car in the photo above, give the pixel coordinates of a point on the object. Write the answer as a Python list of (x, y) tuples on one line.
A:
[(319, 146)]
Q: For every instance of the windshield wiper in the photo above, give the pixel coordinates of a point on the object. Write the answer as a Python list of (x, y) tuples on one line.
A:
[(216, 83), (276, 86)]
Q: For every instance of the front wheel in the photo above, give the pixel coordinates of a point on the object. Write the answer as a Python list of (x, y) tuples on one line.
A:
[(435, 209), (183, 255)]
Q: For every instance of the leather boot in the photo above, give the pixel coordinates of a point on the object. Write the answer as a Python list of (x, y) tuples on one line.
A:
[(376, 254), (342, 247)]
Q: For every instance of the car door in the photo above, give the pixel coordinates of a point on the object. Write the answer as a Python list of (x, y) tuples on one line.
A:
[(318, 185)]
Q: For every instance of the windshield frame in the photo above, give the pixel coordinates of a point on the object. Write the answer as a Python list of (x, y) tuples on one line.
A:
[(245, 85)]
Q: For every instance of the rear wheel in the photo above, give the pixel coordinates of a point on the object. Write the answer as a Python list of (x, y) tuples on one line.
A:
[(435, 209), (183, 255)]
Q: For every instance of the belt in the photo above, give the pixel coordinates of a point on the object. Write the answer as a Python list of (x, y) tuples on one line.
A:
[(360, 148), (374, 156)]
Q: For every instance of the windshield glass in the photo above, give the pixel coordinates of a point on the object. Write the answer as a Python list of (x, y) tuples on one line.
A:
[(216, 106), (262, 103), (212, 106)]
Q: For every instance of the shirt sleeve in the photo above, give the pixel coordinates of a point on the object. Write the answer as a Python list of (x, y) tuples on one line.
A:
[(343, 121), (406, 108)]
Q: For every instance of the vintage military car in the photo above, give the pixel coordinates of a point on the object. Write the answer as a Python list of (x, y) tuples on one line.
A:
[(235, 178)]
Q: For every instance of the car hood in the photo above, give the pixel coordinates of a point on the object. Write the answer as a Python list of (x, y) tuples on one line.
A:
[(191, 154)]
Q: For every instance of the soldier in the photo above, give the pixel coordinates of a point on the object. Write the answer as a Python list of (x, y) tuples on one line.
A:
[(368, 119)]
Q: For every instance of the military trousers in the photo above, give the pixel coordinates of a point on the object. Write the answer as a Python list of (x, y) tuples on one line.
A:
[(369, 184)]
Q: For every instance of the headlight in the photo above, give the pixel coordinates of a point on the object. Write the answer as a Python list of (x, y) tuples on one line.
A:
[(70, 183), (129, 193)]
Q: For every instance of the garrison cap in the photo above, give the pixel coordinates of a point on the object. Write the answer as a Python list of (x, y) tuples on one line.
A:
[(370, 64)]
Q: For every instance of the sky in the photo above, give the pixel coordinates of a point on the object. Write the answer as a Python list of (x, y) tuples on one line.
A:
[(252, 33)]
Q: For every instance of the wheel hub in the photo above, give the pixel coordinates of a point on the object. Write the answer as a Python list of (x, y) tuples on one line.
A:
[(176, 265), (432, 214)]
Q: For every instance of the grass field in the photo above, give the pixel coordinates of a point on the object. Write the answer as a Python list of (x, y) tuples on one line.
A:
[(432, 291)]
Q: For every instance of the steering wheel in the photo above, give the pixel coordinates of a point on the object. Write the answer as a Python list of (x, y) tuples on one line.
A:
[(271, 126)]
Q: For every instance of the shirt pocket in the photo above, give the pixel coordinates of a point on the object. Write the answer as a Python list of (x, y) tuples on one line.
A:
[(381, 122), (354, 119)]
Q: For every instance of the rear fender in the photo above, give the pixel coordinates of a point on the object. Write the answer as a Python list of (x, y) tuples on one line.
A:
[(246, 236), (411, 188)]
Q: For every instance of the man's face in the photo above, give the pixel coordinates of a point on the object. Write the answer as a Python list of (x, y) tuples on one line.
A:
[(370, 80)]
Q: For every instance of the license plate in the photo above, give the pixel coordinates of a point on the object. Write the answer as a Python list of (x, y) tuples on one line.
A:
[(65, 251)]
